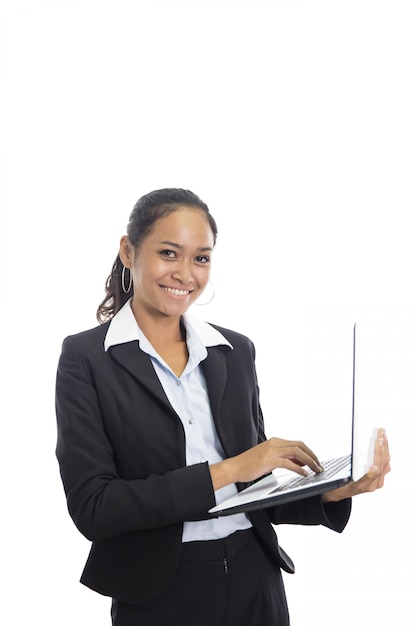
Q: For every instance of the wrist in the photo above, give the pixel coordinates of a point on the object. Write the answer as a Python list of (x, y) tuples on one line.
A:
[(336, 495), (222, 474), (327, 497)]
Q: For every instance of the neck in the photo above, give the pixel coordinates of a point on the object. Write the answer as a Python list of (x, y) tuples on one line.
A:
[(161, 329)]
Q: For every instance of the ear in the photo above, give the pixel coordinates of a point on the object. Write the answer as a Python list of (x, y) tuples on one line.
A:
[(126, 251)]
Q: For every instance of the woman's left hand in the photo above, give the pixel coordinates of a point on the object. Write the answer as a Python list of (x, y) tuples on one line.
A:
[(374, 477)]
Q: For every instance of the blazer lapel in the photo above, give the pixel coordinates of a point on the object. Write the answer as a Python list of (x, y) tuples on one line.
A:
[(214, 367), (139, 365)]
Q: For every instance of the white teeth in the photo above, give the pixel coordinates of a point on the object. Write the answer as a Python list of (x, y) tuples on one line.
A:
[(176, 292)]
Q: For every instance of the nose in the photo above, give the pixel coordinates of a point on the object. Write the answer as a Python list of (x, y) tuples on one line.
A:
[(183, 273)]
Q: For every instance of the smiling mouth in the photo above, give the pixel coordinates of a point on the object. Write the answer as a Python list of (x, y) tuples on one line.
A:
[(177, 292)]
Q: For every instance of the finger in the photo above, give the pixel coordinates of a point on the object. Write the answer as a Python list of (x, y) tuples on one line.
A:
[(375, 474), (382, 440), (299, 458), (381, 451), (375, 477), (312, 457), (291, 466), (384, 459), (300, 448)]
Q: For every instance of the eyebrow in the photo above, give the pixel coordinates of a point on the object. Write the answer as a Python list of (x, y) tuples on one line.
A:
[(179, 247)]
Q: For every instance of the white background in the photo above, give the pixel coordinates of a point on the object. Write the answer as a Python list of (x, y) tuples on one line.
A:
[(296, 122)]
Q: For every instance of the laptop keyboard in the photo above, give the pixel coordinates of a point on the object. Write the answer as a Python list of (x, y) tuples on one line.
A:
[(331, 468)]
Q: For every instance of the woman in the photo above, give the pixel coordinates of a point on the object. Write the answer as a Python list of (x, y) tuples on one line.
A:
[(158, 419)]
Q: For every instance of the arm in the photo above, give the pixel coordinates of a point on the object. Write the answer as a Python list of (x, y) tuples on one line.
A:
[(263, 459), (332, 509), (101, 502), (266, 456)]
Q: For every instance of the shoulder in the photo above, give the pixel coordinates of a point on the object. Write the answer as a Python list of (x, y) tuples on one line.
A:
[(82, 356), (238, 340), (89, 340)]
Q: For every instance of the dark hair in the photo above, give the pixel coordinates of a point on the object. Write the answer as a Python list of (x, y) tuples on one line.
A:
[(147, 210)]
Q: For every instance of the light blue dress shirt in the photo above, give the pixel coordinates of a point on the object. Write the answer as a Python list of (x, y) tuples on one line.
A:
[(189, 398)]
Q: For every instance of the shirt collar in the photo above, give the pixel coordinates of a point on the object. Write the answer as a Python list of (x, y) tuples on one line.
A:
[(123, 328)]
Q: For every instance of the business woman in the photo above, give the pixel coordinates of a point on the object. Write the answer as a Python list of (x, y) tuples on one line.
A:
[(158, 419)]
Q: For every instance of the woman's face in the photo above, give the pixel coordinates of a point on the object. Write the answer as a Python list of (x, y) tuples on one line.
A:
[(171, 267)]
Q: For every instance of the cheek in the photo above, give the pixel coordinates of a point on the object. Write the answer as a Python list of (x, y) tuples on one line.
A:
[(155, 271), (203, 276)]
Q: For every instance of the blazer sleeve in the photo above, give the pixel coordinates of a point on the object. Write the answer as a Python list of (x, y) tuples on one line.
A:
[(100, 502), (312, 511)]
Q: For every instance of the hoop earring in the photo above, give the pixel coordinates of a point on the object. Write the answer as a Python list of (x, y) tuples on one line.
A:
[(211, 298), (124, 279)]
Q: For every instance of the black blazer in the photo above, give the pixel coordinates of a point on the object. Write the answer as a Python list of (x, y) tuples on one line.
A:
[(121, 451)]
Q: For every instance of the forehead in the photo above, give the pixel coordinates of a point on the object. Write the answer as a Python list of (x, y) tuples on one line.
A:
[(183, 224)]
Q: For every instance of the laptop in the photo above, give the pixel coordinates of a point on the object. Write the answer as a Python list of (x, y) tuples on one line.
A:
[(278, 488)]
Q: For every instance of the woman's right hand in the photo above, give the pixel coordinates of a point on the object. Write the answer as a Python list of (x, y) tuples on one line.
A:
[(263, 459)]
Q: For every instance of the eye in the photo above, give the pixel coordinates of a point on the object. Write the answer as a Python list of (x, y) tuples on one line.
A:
[(202, 259), (170, 254)]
